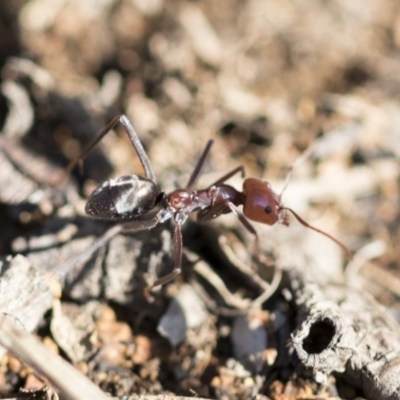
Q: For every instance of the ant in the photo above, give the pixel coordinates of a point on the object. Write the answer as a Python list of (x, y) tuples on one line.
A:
[(127, 198)]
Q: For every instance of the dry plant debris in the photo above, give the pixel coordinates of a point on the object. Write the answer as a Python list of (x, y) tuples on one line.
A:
[(269, 81)]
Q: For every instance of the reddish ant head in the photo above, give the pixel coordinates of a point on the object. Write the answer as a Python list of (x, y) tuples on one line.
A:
[(261, 204)]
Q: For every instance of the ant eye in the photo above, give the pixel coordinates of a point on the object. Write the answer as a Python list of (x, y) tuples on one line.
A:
[(268, 209)]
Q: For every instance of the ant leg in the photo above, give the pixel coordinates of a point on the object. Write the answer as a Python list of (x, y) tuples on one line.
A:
[(197, 170), (219, 208), (245, 222), (90, 146), (212, 212), (138, 147), (199, 166), (136, 226), (221, 180), (294, 164), (177, 259), (102, 240), (86, 254), (123, 120)]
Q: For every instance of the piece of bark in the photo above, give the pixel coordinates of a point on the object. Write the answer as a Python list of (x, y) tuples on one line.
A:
[(17, 186), (343, 331), (20, 114), (62, 375), (70, 382), (26, 179), (73, 329), (44, 393), (20, 283)]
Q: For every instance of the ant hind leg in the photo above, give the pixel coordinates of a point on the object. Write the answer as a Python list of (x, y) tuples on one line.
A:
[(110, 233), (74, 162), (124, 121)]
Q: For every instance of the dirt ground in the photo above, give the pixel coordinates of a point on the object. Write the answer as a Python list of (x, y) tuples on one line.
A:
[(275, 83)]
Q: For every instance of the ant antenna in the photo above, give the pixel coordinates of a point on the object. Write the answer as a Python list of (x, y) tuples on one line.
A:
[(307, 225), (306, 153), (288, 178)]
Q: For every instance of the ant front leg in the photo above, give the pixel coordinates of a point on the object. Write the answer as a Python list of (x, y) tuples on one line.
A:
[(245, 222), (220, 208)]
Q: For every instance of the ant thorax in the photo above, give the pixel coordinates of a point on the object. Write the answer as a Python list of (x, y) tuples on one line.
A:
[(179, 199), (185, 201)]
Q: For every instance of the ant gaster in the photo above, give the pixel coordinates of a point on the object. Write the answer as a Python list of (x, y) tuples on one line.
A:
[(126, 199)]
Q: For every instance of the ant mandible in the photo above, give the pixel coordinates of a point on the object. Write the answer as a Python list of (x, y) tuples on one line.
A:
[(127, 198)]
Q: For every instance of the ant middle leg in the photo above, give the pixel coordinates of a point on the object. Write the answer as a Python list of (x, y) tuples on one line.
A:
[(177, 240), (199, 166)]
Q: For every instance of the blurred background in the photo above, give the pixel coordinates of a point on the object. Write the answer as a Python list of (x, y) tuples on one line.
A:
[(266, 79)]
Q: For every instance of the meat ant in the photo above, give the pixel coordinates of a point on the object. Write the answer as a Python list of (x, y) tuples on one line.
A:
[(127, 198)]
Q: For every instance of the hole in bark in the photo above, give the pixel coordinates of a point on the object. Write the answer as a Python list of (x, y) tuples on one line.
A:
[(321, 334)]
